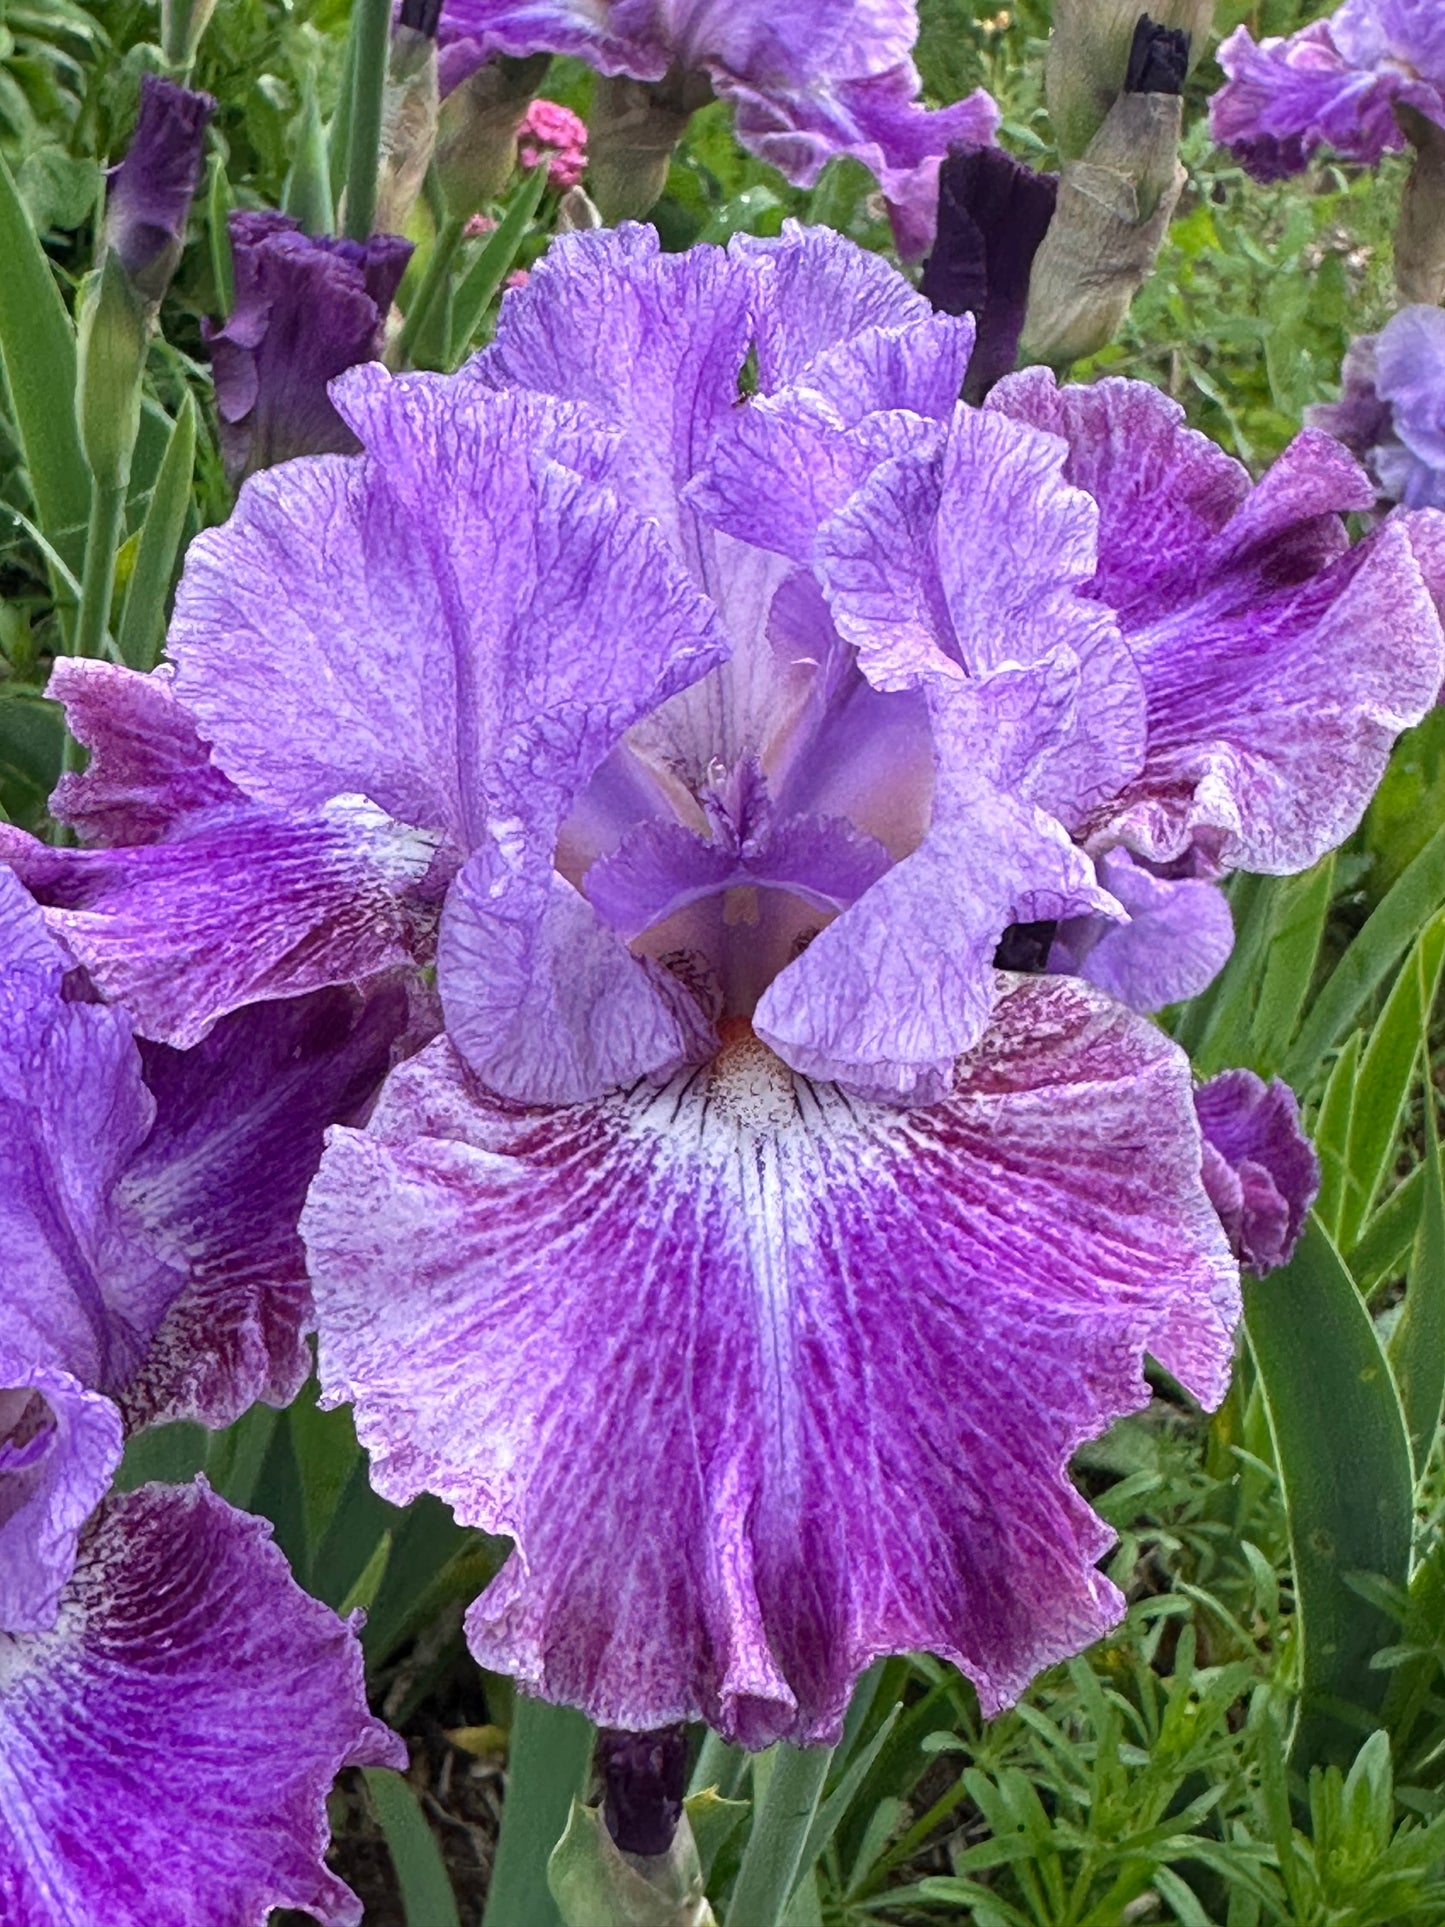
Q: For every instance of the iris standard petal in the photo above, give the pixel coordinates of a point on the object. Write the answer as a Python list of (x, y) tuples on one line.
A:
[(167, 1747), (766, 1381)]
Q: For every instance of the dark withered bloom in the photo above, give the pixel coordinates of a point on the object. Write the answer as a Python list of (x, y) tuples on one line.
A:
[(307, 307), (148, 196)]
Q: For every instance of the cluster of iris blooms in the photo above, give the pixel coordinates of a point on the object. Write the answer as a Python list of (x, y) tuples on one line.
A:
[(631, 912)]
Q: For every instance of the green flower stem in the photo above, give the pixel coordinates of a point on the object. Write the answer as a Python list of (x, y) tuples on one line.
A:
[(770, 1864), (97, 582), (547, 1767), (371, 43), (444, 252)]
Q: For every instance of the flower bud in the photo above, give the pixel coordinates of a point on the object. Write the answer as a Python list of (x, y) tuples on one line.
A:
[(477, 131), (634, 1862), (1093, 51), (113, 336), (1259, 1168), (635, 126), (993, 213), (409, 113), (148, 196), (1420, 233), (1114, 209)]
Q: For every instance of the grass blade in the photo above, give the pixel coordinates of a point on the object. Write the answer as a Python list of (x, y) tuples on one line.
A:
[(548, 1762), (1417, 1344), (477, 287), (1399, 917), (37, 346), (1345, 1470), (143, 622), (427, 1899)]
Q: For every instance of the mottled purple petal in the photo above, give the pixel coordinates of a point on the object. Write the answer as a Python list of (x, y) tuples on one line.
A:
[(543, 1001), (884, 999), (59, 1448), (663, 368), (148, 769), (306, 308), (1176, 942), (84, 1286), (148, 196), (484, 622), (614, 40), (1409, 371), (240, 1121), (241, 904), (1260, 1169), (1336, 82), (877, 120), (687, 1346), (166, 1750), (975, 557)]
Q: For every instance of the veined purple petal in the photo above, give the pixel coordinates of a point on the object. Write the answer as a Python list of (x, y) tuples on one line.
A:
[(688, 1345), (239, 905), (877, 120), (974, 557), (1336, 82), (148, 770), (1176, 942), (887, 997), (221, 1178), (1278, 663), (59, 1447), (167, 1748), (485, 623), (85, 1287), (1260, 1169)]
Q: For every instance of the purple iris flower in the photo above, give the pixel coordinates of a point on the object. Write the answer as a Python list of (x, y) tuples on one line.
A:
[(808, 78), (1391, 412), (1259, 1167), (1335, 83), (713, 699), (162, 1679), (306, 308), (148, 196)]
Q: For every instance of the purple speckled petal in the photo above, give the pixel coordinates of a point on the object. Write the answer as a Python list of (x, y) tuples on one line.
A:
[(1278, 664), (545, 1003), (484, 622), (1176, 942), (884, 999), (59, 1447), (664, 370), (1335, 83), (1272, 711), (306, 308), (84, 1287), (167, 1748), (791, 1307), (1259, 1167), (1163, 490), (877, 120), (241, 904), (221, 1179), (614, 40), (148, 769), (975, 557), (1408, 366)]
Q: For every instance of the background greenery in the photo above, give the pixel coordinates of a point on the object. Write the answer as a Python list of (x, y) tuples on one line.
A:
[(1263, 1739)]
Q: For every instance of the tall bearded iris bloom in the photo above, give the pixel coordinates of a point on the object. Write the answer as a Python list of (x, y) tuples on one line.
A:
[(1335, 83), (714, 699), (173, 1709), (808, 79)]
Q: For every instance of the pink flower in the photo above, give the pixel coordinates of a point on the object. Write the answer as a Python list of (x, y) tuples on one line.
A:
[(551, 133)]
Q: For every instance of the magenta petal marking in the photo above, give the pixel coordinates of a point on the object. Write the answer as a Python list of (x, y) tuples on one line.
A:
[(689, 1346), (166, 1750)]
